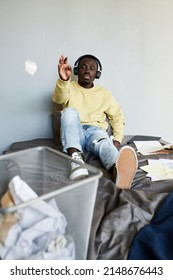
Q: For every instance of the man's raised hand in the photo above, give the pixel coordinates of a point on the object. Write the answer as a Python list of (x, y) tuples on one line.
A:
[(64, 69)]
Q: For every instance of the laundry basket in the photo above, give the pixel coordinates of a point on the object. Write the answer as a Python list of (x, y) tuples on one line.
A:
[(46, 171)]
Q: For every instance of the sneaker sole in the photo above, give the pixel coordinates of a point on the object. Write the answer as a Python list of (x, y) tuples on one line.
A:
[(79, 173), (126, 165)]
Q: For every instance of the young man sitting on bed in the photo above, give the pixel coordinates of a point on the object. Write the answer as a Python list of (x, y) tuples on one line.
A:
[(83, 121)]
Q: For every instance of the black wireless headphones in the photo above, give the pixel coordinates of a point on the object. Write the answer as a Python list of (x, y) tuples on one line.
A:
[(76, 65)]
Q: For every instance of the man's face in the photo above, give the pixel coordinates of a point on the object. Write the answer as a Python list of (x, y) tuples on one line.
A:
[(87, 72)]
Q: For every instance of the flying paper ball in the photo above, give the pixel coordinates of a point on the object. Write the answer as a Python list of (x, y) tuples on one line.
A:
[(30, 67)]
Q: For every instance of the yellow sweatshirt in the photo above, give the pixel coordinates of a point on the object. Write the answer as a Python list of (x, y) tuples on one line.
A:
[(93, 104)]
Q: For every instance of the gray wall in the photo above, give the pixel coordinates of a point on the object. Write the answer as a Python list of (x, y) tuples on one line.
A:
[(132, 38)]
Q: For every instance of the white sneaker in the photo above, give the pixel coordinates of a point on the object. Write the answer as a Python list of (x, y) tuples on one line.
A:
[(77, 171)]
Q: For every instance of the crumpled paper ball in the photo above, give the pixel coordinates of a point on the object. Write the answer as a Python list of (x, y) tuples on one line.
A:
[(30, 67)]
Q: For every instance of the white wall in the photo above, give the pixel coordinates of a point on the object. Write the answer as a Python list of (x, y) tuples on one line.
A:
[(132, 38)]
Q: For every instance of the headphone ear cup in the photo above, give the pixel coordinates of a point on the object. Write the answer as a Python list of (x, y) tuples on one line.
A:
[(75, 71), (98, 74)]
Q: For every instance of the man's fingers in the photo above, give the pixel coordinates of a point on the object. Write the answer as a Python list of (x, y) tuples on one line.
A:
[(65, 60), (61, 60)]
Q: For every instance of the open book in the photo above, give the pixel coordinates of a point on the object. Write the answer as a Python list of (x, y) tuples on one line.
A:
[(152, 147)]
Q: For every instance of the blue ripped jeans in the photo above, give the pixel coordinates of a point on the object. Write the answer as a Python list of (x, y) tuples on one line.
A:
[(86, 137)]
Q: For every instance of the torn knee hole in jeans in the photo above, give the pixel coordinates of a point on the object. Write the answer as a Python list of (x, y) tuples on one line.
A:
[(95, 141)]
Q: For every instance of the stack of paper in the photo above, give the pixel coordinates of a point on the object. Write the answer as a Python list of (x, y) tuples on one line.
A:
[(150, 147), (161, 169)]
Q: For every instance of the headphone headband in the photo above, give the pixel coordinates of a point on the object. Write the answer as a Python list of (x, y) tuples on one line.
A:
[(75, 70), (89, 56)]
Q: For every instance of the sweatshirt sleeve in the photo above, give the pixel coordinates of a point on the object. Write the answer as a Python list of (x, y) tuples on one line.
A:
[(117, 120), (61, 92)]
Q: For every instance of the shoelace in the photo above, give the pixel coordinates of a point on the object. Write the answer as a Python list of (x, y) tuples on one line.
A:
[(78, 158)]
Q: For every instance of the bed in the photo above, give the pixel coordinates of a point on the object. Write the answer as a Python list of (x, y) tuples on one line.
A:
[(127, 224)]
